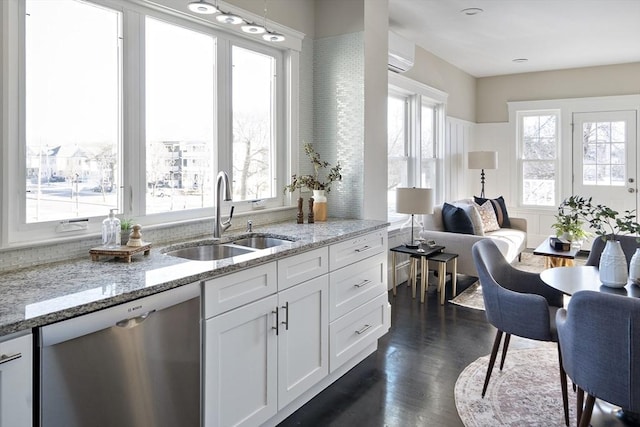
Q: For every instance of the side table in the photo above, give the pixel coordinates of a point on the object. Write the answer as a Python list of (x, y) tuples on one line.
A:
[(442, 259), (414, 255), (555, 258)]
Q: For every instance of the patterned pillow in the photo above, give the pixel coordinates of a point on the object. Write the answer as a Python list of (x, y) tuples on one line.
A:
[(488, 215), (500, 209)]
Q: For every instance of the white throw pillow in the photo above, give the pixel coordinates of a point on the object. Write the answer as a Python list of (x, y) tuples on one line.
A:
[(469, 207), (488, 215)]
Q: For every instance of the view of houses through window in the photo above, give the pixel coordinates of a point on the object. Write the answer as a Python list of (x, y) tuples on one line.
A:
[(72, 110)]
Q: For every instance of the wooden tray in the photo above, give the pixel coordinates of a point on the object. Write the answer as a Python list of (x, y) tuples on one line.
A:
[(120, 252)]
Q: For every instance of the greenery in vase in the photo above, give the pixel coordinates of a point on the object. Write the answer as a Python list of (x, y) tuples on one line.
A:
[(604, 221), (568, 221), (314, 182)]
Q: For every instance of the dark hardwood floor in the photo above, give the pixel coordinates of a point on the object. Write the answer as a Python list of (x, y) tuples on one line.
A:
[(410, 380)]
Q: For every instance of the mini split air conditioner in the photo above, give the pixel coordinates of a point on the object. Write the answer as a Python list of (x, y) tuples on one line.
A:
[(401, 53)]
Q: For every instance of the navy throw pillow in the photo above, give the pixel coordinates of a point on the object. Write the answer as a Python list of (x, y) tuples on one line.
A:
[(499, 207), (456, 220)]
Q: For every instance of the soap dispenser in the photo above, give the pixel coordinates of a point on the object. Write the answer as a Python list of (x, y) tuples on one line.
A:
[(111, 230)]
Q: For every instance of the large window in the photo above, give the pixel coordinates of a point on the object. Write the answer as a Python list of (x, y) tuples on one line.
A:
[(253, 111), (72, 110), (414, 132), (116, 105), (539, 144), (179, 103)]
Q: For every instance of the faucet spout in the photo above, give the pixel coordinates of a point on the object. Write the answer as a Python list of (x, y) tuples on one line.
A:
[(222, 185)]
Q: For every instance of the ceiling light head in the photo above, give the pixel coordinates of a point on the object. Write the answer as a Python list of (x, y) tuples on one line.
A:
[(470, 11), (229, 18), (253, 29), (202, 7), (520, 60), (273, 37)]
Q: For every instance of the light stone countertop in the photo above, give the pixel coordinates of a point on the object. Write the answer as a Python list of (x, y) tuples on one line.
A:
[(49, 293)]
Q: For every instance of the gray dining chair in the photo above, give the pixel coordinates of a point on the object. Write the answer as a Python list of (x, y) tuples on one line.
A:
[(516, 303), (600, 338), (628, 243)]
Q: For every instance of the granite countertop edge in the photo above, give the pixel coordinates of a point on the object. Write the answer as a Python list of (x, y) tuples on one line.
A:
[(29, 299)]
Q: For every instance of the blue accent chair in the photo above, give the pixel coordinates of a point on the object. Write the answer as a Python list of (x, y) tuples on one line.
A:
[(600, 338), (516, 303)]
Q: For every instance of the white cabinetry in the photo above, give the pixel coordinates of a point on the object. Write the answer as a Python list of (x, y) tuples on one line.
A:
[(277, 334), (261, 356), (16, 398)]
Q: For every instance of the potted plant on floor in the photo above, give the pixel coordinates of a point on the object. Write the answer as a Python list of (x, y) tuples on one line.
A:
[(607, 223), (314, 182)]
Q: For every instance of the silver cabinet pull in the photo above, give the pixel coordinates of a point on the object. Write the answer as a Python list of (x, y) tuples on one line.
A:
[(276, 312), (134, 321), (364, 282), (364, 248), (363, 330), (6, 358), (286, 318)]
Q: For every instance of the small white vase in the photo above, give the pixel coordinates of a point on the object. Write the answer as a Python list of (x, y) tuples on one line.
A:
[(613, 265), (634, 267)]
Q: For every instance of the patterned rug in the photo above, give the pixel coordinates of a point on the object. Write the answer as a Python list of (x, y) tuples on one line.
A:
[(525, 393)]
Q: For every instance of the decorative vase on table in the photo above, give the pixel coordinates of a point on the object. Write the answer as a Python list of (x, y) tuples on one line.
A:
[(613, 265), (634, 267), (319, 205)]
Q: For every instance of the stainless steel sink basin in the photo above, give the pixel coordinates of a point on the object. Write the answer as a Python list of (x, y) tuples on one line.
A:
[(260, 242), (209, 252)]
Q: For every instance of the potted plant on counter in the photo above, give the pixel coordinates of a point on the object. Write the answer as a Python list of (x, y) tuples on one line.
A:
[(569, 226), (315, 182), (125, 230)]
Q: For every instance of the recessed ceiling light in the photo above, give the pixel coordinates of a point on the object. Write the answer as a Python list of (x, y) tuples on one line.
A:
[(518, 60), (202, 7), (470, 11)]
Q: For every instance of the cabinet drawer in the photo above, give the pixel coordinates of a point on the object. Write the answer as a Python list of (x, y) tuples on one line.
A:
[(233, 290), (302, 267), (358, 248), (353, 332), (356, 284)]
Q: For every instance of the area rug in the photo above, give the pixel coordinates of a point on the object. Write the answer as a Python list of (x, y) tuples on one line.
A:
[(525, 393)]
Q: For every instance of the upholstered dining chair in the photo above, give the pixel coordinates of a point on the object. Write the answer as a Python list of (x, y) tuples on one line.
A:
[(516, 303), (600, 339), (628, 243)]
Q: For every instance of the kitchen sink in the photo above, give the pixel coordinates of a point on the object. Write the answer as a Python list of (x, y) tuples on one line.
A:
[(210, 252), (260, 242)]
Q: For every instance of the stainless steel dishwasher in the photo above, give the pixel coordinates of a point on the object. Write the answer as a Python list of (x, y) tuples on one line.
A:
[(136, 364)]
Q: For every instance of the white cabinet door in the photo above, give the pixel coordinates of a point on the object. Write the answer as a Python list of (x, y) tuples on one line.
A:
[(16, 398), (303, 346), (240, 365)]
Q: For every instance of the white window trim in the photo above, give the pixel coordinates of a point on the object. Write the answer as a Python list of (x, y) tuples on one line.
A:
[(567, 107), (420, 94), (13, 230)]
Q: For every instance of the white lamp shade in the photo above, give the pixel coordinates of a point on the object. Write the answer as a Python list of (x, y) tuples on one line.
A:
[(483, 159), (414, 200)]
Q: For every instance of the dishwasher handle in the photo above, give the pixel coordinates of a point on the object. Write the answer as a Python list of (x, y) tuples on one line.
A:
[(134, 321)]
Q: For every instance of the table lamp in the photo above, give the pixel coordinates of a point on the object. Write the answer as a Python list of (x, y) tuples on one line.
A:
[(414, 201), (482, 160)]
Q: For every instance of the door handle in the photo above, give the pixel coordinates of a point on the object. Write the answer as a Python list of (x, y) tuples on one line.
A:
[(134, 321), (5, 358), (286, 318), (276, 312), (631, 190)]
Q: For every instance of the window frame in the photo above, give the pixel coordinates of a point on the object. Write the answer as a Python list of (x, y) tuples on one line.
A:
[(520, 115), (16, 232), (418, 95)]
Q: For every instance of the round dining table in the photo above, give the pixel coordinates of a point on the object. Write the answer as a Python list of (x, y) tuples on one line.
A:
[(570, 280)]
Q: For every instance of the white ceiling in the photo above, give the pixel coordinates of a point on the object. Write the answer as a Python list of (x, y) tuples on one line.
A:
[(551, 34)]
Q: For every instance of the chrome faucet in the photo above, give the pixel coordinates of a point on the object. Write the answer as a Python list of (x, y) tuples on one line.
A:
[(222, 184)]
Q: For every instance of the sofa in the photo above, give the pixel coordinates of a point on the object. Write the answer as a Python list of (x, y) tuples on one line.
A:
[(510, 240)]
